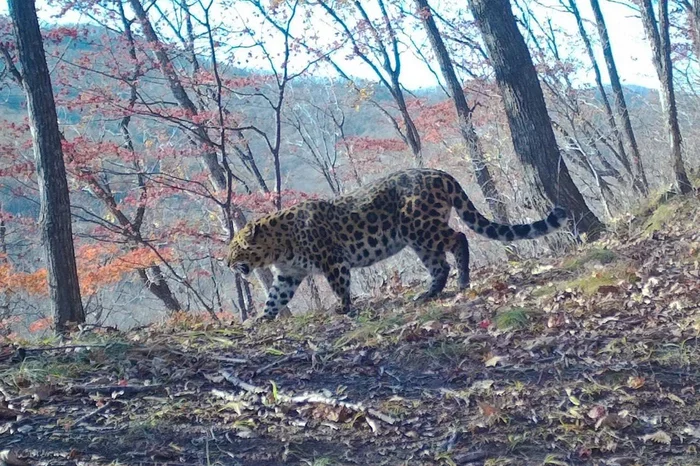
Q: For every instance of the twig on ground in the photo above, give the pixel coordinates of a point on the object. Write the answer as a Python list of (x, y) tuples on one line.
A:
[(66, 347), (306, 398), (229, 360), (322, 399), (127, 389), (232, 379), (92, 413), (292, 357)]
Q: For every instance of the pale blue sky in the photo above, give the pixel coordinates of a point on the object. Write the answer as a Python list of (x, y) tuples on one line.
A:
[(631, 50)]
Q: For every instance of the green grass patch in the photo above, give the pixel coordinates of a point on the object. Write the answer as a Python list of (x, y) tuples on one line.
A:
[(590, 284), (660, 209), (542, 291), (513, 318), (658, 220), (40, 371), (368, 334), (601, 256), (451, 352)]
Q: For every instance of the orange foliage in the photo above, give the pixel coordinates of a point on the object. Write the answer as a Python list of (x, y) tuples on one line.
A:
[(32, 283), (95, 273), (98, 265), (41, 324)]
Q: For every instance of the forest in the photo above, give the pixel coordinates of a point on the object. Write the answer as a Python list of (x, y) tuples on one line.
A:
[(181, 120)]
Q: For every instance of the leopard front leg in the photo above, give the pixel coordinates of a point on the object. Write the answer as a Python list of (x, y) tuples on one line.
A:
[(280, 293), (337, 273)]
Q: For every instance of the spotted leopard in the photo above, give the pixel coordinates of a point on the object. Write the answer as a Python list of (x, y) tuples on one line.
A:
[(407, 208)]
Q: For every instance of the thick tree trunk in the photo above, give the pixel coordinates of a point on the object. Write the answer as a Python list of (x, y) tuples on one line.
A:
[(660, 40), (55, 216), (641, 183), (464, 115), (531, 129)]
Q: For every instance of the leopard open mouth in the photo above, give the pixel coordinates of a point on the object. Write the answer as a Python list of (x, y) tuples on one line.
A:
[(242, 268)]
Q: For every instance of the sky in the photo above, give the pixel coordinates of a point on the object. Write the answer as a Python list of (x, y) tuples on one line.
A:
[(632, 52)]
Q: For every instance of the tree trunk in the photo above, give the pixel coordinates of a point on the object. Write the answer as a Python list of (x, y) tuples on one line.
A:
[(158, 285), (659, 37), (640, 182), (216, 171), (531, 129), (464, 115), (695, 21), (379, 57), (693, 10), (603, 94), (55, 215)]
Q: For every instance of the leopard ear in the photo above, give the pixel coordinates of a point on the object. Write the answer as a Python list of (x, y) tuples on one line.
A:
[(253, 232)]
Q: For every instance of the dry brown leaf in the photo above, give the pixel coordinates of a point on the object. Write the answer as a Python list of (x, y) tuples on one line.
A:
[(487, 409), (214, 378), (657, 437), (431, 326), (493, 361), (613, 421), (556, 320), (635, 383), (596, 412), (692, 431), (374, 425), (608, 289)]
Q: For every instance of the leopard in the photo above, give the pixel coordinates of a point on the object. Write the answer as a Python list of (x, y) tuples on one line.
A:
[(408, 208)]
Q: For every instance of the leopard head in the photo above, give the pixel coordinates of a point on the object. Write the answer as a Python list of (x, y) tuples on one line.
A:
[(253, 246)]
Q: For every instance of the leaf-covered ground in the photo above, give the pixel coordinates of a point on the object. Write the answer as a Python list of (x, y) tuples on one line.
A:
[(591, 358)]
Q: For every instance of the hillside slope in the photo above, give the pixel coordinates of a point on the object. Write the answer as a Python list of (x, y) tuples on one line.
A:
[(588, 359)]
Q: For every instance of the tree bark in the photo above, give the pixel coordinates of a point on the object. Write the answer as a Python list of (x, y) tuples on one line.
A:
[(659, 37), (464, 115), (599, 83), (389, 58), (531, 129), (640, 182), (55, 215), (158, 285), (217, 173), (695, 21), (693, 10)]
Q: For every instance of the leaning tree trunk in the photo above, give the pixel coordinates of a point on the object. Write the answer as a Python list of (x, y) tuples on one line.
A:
[(640, 181), (55, 216), (464, 115), (530, 126), (660, 40)]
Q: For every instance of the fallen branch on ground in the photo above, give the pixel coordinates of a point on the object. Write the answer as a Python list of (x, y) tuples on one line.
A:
[(305, 398), (235, 381), (127, 389), (92, 413)]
